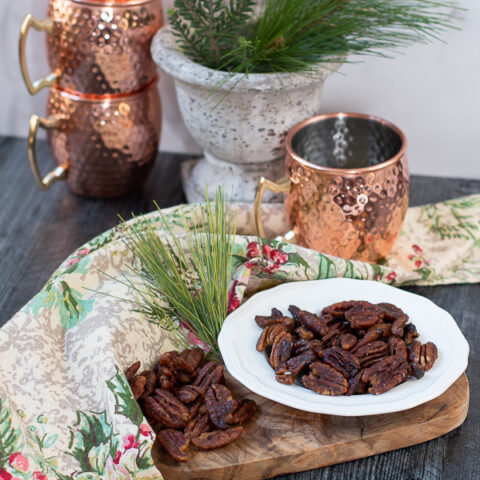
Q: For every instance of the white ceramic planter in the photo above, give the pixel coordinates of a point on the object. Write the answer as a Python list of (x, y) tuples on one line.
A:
[(242, 124)]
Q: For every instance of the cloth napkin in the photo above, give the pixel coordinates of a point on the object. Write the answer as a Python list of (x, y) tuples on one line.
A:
[(66, 410)]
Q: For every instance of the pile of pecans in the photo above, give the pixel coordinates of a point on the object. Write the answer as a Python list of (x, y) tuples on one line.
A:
[(352, 347), (186, 401)]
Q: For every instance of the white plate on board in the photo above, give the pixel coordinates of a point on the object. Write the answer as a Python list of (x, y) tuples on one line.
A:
[(239, 335)]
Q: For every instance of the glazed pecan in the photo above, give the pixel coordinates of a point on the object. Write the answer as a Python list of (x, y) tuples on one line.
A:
[(174, 443), (325, 380), (163, 407), (370, 353), (391, 312), (166, 379), (348, 341), (382, 330), (303, 333), (396, 346), (398, 326), (183, 372), (263, 322), (338, 309), (243, 413), (312, 322), (363, 315), (220, 405), (193, 356), (151, 382), (281, 349), (209, 374), (385, 374), (197, 426), (344, 362), (217, 438), (132, 370), (411, 333), (286, 378), (269, 335), (336, 329), (188, 393), (423, 356), (356, 385), (137, 384)]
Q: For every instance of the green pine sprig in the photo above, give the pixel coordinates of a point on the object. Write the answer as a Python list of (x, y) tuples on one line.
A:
[(298, 35), (182, 282)]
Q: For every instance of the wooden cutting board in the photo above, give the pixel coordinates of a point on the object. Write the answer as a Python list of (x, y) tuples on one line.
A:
[(283, 440)]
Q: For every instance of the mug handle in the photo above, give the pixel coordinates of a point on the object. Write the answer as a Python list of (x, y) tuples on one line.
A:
[(280, 186), (60, 173), (46, 25)]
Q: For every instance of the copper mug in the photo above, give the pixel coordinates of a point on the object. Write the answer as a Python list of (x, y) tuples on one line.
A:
[(103, 147), (96, 46), (347, 184)]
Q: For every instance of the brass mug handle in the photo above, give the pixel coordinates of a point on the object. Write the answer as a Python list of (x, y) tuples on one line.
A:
[(41, 26), (280, 186), (60, 173)]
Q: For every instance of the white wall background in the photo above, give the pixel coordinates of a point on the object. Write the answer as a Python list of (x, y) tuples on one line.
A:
[(430, 91)]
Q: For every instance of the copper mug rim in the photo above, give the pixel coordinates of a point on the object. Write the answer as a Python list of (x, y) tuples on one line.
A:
[(345, 171)]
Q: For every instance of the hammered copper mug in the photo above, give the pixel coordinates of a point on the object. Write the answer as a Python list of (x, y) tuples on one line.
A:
[(103, 147), (96, 46), (347, 185)]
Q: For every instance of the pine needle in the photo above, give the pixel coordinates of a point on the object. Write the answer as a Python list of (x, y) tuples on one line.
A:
[(182, 282)]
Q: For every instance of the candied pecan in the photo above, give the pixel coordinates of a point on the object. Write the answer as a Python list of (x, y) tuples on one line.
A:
[(396, 346), (166, 379), (385, 374), (188, 393), (411, 333), (281, 349), (338, 309), (422, 356), (368, 337), (243, 413), (356, 385), (193, 356), (151, 382), (217, 438), (165, 408), (300, 346), (132, 370), (382, 329), (336, 329), (174, 443), (183, 372), (391, 312), (286, 378), (303, 333), (263, 322), (363, 315), (197, 426), (220, 404), (276, 312), (196, 407), (296, 364), (210, 373), (317, 348), (344, 362), (269, 335), (398, 326), (348, 341), (325, 380), (312, 322), (371, 352), (137, 384)]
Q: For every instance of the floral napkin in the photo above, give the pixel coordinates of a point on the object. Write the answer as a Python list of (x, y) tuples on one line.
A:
[(66, 410)]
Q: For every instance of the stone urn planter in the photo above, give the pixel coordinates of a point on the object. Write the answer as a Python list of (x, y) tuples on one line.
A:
[(240, 124)]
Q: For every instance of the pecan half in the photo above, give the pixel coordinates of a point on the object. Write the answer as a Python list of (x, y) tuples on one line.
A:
[(243, 413), (132, 370), (208, 375), (348, 341), (166, 379), (183, 372), (165, 408), (303, 333), (217, 438), (422, 356), (151, 382), (269, 335), (344, 362), (370, 353), (363, 315), (264, 322), (356, 385), (385, 374), (325, 380), (411, 333), (313, 322), (338, 309), (174, 443), (391, 312), (281, 349), (396, 346), (193, 356), (137, 384), (188, 393), (220, 405), (197, 426), (397, 326)]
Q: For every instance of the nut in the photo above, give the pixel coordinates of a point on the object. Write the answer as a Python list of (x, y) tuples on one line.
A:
[(344, 362), (325, 380), (371, 352), (197, 426), (385, 374), (348, 341), (220, 405), (363, 315), (243, 413), (132, 370), (396, 346), (217, 438), (163, 407), (174, 443), (281, 349)]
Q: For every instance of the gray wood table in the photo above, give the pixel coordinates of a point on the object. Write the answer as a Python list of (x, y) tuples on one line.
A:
[(39, 230)]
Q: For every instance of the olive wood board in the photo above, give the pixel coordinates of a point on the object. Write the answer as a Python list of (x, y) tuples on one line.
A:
[(280, 439)]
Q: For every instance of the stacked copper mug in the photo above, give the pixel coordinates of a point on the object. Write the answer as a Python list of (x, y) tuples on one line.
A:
[(103, 110)]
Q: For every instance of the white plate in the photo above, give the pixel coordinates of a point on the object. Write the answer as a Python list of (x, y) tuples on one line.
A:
[(239, 335)]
